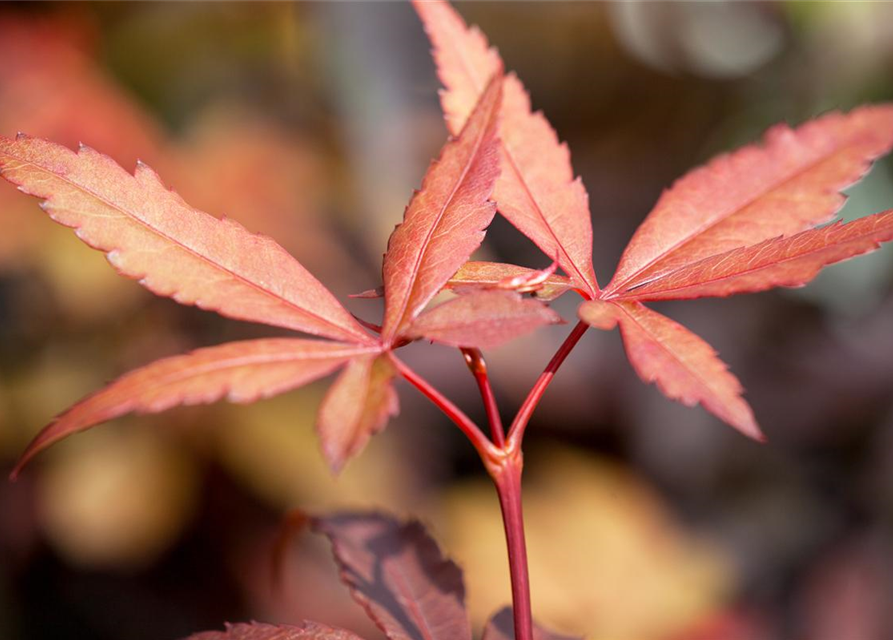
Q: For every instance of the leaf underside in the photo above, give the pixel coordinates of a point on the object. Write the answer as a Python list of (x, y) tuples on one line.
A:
[(397, 573), (482, 319), (681, 364), (536, 190), (150, 234), (781, 262), (356, 407), (240, 371), (306, 630)]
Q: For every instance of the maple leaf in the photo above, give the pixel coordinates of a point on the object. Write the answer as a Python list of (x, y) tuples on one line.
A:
[(544, 284), (724, 228), (536, 191), (397, 573), (712, 235)]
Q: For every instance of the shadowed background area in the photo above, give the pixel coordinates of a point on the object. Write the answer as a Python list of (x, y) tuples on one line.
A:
[(312, 123)]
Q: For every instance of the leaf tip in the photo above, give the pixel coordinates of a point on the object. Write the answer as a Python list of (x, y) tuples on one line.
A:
[(21, 136)]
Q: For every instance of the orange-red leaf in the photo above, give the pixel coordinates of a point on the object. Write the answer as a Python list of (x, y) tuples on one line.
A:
[(306, 630), (536, 190), (242, 371), (499, 275), (445, 221), (789, 183), (397, 573), (151, 234), (780, 262), (483, 319), (357, 406), (684, 367), (502, 627)]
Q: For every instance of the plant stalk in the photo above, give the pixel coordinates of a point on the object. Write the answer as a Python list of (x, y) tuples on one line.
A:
[(478, 367), (507, 479)]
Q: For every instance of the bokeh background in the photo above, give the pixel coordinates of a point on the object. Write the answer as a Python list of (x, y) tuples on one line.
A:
[(312, 123)]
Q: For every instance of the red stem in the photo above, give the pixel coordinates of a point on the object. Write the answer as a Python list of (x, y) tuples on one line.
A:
[(508, 486), (484, 447), (516, 432), (478, 366)]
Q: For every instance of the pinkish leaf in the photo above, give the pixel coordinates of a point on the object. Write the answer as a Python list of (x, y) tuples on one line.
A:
[(305, 630), (490, 275), (397, 573), (357, 406), (684, 367), (445, 221), (241, 371), (789, 183), (483, 319), (536, 190), (149, 233), (502, 627), (780, 262)]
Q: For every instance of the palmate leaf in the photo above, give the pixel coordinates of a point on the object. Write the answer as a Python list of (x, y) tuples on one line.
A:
[(790, 183), (684, 367), (356, 407), (536, 190), (149, 233), (240, 371), (306, 630), (482, 319), (399, 576), (445, 221)]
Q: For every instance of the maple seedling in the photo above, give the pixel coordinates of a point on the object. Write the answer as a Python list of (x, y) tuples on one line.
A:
[(745, 222)]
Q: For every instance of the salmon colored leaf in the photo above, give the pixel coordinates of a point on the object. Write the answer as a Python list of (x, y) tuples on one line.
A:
[(781, 262), (445, 221), (788, 184), (149, 233), (483, 319), (356, 407), (241, 371), (502, 627), (306, 630), (536, 190), (544, 285), (684, 367), (397, 573)]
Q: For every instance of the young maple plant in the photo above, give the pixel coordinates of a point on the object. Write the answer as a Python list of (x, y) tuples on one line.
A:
[(745, 222)]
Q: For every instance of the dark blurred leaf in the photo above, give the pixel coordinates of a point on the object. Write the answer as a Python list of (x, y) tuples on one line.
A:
[(397, 573), (259, 631)]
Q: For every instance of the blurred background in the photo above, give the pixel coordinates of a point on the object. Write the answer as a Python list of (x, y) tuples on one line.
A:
[(312, 123)]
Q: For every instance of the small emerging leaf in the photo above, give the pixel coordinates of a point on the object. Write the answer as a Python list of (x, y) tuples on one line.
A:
[(242, 371), (684, 367), (149, 233), (396, 572), (496, 274), (356, 407), (306, 630), (536, 191), (445, 221), (790, 183), (483, 319), (781, 262), (502, 627)]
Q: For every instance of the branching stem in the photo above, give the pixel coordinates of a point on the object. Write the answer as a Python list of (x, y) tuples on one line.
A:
[(478, 366), (485, 448), (516, 432)]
